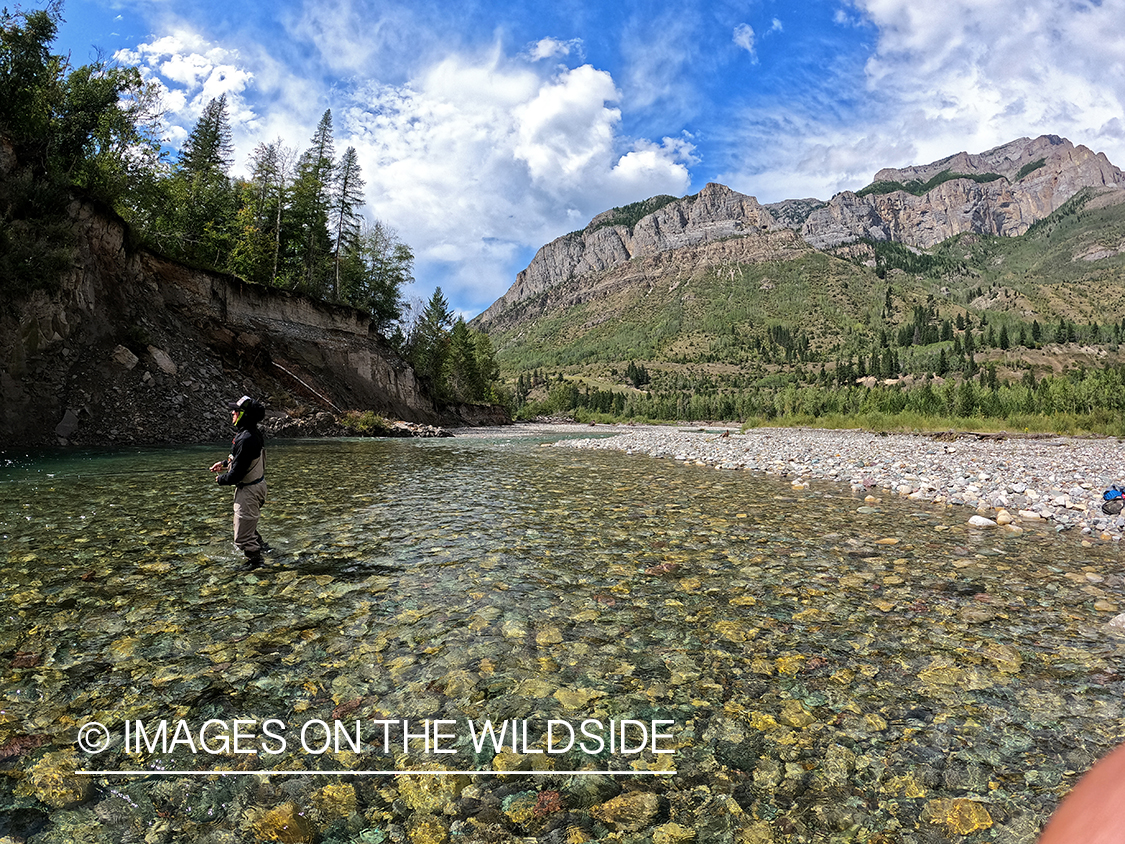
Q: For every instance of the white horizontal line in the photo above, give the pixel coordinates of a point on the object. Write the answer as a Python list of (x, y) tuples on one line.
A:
[(282, 773)]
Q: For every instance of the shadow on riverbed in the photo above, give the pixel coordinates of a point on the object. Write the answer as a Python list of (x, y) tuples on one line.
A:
[(335, 565)]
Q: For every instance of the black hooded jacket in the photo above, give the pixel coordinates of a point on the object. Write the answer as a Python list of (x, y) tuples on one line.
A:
[(245, 449)]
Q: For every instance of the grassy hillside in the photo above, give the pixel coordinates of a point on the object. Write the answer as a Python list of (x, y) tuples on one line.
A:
[(710, 316)]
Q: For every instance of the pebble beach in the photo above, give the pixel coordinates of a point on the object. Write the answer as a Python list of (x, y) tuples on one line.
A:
[(1005, 482)]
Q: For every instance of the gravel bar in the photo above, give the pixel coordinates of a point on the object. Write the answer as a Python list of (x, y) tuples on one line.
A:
[(1007, 480)]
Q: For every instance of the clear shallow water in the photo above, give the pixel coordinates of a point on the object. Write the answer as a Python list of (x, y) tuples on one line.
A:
[(827, 674)]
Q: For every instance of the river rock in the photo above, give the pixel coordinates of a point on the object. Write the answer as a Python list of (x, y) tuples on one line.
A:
[(284, 823), (590, 791), (630, 812), (1115, 625), (427, 829), (672, 833), (53, 781)]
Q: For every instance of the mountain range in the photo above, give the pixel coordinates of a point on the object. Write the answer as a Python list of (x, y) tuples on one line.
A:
[(1028, 233)]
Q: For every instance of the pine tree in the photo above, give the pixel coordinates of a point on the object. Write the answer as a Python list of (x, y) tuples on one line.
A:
[(202, 202), (374, 269), (346, 196), (209, 149), (466, 383), (486, 364), (310, 207), (428, 344)]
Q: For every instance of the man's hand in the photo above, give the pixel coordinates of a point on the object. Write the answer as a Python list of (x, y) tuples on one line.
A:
[(218, 467)]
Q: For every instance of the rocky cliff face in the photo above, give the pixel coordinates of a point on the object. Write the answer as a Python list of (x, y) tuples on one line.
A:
[(668, 268), (133, 348), (715, 213), (1035, 177), (1006, 206)]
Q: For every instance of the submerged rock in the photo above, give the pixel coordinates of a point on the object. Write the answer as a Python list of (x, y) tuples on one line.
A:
[(285, 824), (630, 812), (53, 781)]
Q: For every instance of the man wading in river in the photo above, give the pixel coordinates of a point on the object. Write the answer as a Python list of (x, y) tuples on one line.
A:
[(245, 470)]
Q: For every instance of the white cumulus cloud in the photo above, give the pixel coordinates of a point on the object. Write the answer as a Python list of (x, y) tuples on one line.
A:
[(551, 48), (190, 72), (479, 161)]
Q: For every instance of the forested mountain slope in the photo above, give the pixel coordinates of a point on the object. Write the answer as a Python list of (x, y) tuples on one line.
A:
[(1004, 266)]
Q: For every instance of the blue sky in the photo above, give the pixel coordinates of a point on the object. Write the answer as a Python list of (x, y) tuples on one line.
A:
[(486, 129)]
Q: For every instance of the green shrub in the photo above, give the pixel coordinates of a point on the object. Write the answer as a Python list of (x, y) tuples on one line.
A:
[(365, 424)]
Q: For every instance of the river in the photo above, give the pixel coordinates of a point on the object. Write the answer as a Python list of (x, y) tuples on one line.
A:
[(719, 657)]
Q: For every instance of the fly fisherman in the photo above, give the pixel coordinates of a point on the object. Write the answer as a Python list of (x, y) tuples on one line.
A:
[(245, 470)]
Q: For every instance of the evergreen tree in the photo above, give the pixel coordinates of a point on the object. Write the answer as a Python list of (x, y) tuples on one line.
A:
[(486, 365), (1005, 343), (209, 149), (992, 379), (428, 344), (464, 380), (202, 206), (346, 196), (374, 271), (310, 208)]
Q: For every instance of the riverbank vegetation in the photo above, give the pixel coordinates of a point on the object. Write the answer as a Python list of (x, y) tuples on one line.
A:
[(1083, 401)]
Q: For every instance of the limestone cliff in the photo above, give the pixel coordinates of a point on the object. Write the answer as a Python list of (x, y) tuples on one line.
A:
[(1036, 177), (134, 348), (715, 213)]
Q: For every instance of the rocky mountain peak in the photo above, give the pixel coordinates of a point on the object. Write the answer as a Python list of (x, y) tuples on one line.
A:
[(1006, 160), (645, 228), (999, 192)]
